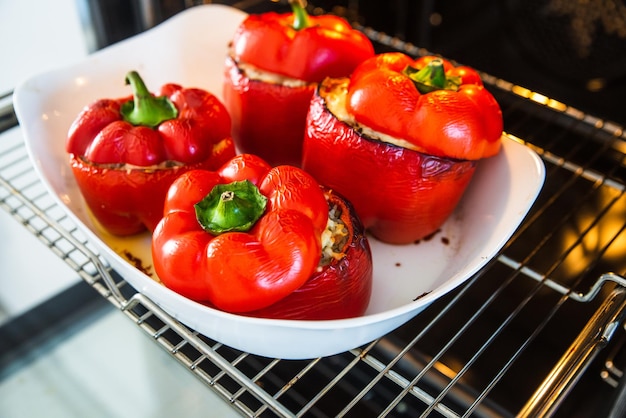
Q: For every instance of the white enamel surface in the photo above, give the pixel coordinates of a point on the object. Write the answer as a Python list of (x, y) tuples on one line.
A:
[(190, 50)]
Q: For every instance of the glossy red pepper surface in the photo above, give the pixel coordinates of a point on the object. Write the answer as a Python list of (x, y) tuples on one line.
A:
[(271, 73), (460, 119), (401, 195), (267, 270), (124, 169), (341, 289), (268, 119)]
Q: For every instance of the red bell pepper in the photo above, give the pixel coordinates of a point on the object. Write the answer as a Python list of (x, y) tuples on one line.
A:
[(247, 238), (342, 286), (436, 107), (274, 64), (125, 153), (400, 139)]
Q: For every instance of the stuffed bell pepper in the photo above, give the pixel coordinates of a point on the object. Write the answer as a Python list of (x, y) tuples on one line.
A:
[(263, 241), (125, 153), (400, 139), (274, 64)]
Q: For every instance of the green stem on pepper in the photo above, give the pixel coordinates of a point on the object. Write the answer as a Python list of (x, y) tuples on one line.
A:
[(228, 207), (300, 16), (146, 109), (432, 77)]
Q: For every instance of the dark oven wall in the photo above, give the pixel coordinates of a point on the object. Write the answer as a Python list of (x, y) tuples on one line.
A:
[(571, 51)]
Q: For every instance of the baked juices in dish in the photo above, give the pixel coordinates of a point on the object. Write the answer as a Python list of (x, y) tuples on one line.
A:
[(125, 153), (274, 64), (401, 139)]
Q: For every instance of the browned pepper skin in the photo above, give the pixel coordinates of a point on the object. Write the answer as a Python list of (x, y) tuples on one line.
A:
[(339, 290)]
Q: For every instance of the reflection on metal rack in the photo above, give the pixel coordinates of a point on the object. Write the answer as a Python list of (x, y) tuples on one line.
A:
[(593, 338), (461, 356)]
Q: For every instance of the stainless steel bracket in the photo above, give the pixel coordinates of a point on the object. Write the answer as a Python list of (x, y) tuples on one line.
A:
[(593, 337)]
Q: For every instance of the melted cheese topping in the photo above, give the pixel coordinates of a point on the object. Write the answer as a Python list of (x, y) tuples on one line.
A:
[(255, 73)]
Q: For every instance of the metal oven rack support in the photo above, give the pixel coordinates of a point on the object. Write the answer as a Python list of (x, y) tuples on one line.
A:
[(253, 386), (594, 336)]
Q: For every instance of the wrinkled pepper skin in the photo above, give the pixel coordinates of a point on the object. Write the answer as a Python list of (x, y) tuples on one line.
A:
[(124, 169), (246, 271), (269, 115), (400, 194), (339, 290)]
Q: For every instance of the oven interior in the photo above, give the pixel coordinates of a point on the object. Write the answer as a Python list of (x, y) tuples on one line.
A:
[(486, 348)]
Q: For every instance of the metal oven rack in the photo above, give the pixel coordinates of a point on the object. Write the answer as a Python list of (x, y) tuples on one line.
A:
[(542, 309)]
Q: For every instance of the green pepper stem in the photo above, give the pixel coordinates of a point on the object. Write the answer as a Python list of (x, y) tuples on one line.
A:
[(300, 16), (432, 77), (229, 207), (146, 109)]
